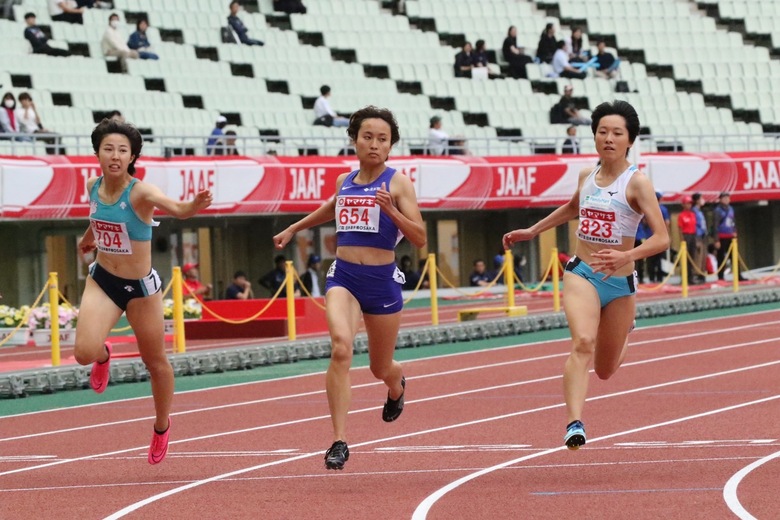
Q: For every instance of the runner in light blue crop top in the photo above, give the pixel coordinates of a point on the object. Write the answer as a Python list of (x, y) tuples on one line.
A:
[(119, 213)]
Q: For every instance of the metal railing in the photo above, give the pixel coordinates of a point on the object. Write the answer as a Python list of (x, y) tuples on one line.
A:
[(183, 145)]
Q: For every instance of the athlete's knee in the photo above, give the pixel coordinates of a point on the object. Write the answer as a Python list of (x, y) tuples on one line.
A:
[(156, 363), (341, 352), (605, 372), (86, 352), (584, 344)]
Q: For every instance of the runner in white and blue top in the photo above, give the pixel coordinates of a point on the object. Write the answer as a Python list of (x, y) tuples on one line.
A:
[(600, 282), (373, 207)]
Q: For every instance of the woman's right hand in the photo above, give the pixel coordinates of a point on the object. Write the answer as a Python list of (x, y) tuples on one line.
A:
[(283, 238)]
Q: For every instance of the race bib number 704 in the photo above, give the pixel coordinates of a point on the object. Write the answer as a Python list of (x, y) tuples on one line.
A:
[(357, 214), (111, 237)]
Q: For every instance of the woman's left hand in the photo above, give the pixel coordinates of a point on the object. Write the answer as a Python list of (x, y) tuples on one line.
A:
[(383, 199), (203, 199), (608, 261)]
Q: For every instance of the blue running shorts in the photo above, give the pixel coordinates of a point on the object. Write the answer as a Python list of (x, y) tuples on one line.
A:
[(610, 289), (377, 288)]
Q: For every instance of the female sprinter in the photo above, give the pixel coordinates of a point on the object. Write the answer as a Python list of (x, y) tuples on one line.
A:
[(373, 207), (122, 278), (600, 281)]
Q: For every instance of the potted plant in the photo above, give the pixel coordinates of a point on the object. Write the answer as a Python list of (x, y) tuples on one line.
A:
[(40, 324), (192, 311), (13, 326)]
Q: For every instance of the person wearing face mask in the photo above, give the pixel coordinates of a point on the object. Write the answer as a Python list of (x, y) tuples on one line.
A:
[(9, 122), (113, 43)]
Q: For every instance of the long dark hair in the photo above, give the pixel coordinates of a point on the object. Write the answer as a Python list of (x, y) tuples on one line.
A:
[(112, 126)]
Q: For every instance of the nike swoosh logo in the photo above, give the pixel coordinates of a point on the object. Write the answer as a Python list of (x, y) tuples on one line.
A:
[(389, 304)]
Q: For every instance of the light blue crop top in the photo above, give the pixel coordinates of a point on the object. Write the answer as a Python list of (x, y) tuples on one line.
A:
[(117, 217), (359, 221)]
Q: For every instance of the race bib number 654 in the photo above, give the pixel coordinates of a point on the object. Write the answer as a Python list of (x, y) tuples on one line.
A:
[(357, 214)]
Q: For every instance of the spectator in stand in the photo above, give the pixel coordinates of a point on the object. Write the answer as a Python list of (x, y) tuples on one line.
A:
[(608, 64), (464, 61), (238, 26), (438, 139), (216, 135), (498, 266), (8, 120), (38, 39), (724, 229), (324, 115), (289, 6), (700, 258), (654, 265), (686, 221), (547, 44), (479, 276), (139, 42), (275, 278), (311, 278), (30, 122), (481, 60), (575, 47), (572, 144), (113, 43), (240, 289), (192, 283), (226, 146), (514, 54), (561, 66), (565, 111), (411, 276), (66, 11)]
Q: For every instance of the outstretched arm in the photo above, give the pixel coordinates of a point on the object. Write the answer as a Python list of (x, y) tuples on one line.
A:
[(321, 215), (150, 196)]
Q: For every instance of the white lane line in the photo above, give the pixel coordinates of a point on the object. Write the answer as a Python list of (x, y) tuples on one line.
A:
[(730, 489), (421, 513), (428, 358), (159, 496), (435, 374), (363, 474), (426, 399)]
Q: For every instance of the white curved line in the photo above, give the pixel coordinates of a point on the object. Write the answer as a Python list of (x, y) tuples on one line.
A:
[(421, 513), (730, 489), (149, 500)]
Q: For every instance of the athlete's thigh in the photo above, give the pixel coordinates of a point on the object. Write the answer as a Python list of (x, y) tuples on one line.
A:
[(146, 317), (382, 331), (582, 306), (97, 315), (343, 312), (616, 319)]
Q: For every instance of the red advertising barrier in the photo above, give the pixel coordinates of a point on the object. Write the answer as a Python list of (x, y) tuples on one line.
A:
[(55, 187)]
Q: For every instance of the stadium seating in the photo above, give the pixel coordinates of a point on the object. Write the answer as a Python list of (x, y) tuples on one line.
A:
[(687, 76)]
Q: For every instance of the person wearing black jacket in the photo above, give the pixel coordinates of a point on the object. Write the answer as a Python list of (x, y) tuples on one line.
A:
[(39, 40)]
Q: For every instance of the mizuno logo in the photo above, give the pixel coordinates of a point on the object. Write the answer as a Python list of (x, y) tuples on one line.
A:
[(612, 193)]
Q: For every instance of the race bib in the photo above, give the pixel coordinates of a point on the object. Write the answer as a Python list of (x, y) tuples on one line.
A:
[(111, 237), (357, 214), (599, 226)]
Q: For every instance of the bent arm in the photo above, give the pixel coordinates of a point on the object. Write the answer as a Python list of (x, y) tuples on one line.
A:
[(406, 212), (152, 197)]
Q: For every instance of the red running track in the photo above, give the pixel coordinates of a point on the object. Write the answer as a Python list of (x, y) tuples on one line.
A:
[(480, 438)]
